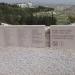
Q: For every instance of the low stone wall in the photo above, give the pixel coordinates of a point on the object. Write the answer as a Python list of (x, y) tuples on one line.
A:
[(38, 36), (22, 36)]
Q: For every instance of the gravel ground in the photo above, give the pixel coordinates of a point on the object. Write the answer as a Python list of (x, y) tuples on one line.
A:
[(36, 61)]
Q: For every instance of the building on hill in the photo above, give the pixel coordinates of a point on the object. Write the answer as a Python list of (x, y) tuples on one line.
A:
[(22, 5)]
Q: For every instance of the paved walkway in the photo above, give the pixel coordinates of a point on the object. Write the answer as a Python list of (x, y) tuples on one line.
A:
[(36, 61)]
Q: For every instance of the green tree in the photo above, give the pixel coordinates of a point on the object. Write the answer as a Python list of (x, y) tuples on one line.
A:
[(71, 19)]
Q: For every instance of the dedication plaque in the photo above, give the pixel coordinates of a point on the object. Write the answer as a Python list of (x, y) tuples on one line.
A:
[(31, 36), (62, 36), (37, 36)]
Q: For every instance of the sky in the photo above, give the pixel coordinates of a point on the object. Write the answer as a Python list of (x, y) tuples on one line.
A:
[(42, 1)]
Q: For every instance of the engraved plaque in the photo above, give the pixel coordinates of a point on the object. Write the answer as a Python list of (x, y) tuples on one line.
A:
[(31, 36), (62, 37), (38, 37)]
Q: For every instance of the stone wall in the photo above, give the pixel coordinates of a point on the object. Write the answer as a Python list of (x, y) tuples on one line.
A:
[(22, 36)]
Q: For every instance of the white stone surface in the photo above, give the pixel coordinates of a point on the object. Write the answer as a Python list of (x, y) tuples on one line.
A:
[(62, 36), (36, 61), (10, 36)]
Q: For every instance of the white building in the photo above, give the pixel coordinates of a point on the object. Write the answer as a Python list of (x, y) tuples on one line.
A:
[(22, 5)]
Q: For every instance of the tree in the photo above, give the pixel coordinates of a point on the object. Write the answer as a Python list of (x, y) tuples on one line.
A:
[(71, 19), (13, 14)]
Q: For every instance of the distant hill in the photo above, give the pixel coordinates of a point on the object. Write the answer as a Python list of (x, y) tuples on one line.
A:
[(55, 6), (70, 10)]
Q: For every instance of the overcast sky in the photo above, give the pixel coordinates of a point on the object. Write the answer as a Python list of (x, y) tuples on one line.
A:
[(41, 1)]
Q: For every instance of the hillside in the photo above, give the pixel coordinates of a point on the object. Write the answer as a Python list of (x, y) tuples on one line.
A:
[(13, 14), (70, 10)]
